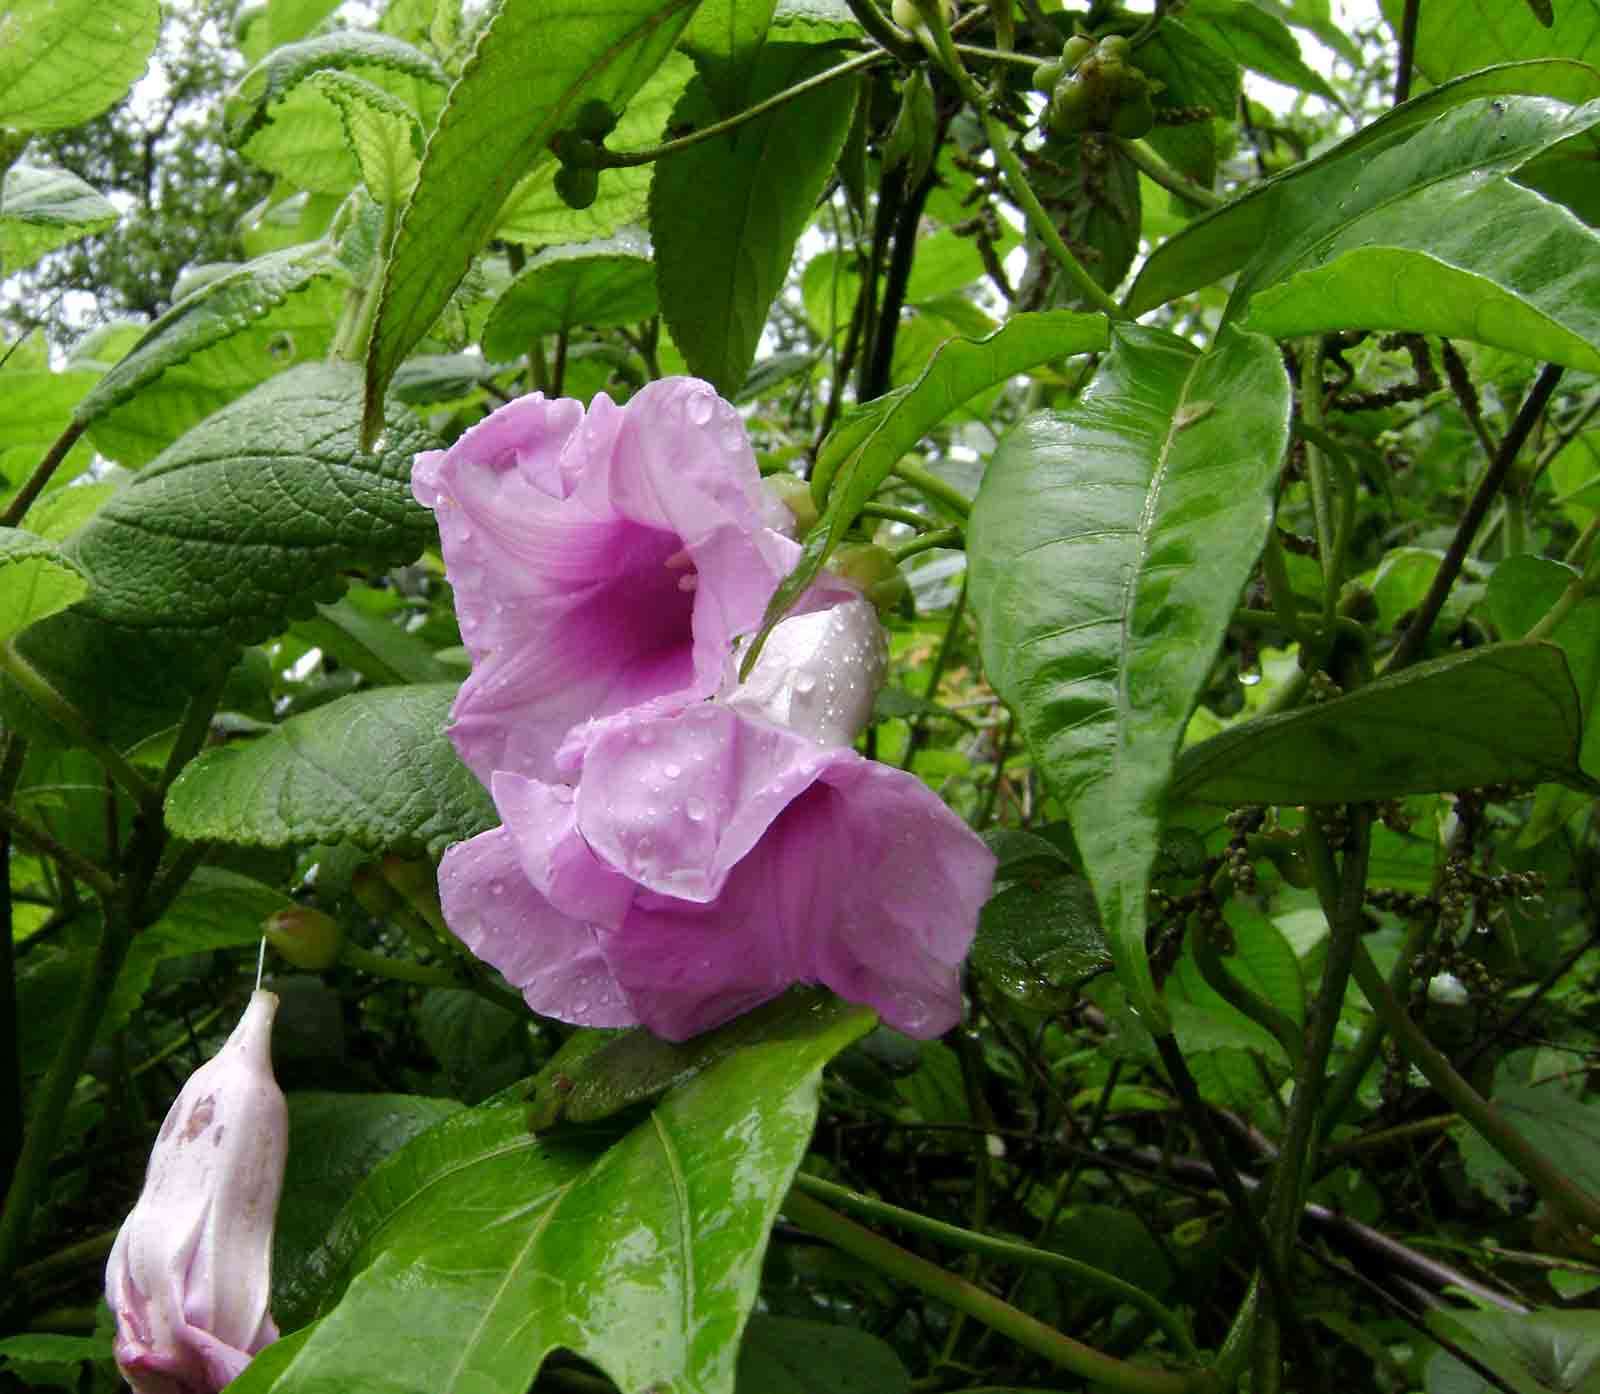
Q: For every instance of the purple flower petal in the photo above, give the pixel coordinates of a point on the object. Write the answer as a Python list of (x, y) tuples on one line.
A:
[(552, 958), (599, 560)]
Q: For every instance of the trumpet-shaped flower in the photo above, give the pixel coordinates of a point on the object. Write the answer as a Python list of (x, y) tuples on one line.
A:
[(191, 1270), (601, 560), (708, 859)]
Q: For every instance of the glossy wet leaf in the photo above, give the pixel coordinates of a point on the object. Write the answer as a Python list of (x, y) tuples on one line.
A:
[(374, 768), (600, 284), (497, 122), (1436, 236), (862, 450), (1436, 726), (1219, 243), (599, 1073), (1107, 547), (1037, 941), (476, 1250), (36, 581), (42, 209), (726, 213), (63, 61), (536, 215), (257, 512)]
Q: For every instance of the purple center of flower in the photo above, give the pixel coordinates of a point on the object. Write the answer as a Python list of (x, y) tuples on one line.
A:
[(641, 618)]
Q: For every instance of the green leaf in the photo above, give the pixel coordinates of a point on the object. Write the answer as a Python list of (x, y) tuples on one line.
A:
[(1256, 40), (381, 131), (254, 514), (536, 214), (1538, 1352), (1194, 74), (723, 39), (338, 1140), (1219, 243), (36, 581), (219, 310), (603, 284), (63, 61), (1107, 547), (725, 214), (1263, 962), (781, 1355), (598, 1074), (1092, 189), (497, 121), (1436, 726), (373, 645), (42, 209), (289, 20), (36, 406), (1037, 943), (1436, 236), (374, 768), (383, 59), (643, 1257), (1469, 34), (864, 448)]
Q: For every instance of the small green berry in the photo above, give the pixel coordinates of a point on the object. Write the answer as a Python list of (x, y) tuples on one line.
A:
[(595, 120), (577, 186)]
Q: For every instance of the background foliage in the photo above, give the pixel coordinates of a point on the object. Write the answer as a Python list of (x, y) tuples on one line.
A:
[(1258, 637)]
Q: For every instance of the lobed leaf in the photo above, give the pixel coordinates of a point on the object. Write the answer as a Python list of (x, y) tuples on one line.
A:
[(1107, 547), (497, 122), (1437, 726), (374, 769)]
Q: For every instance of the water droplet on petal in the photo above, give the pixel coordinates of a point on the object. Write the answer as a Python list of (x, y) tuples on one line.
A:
[(699, 407), (497, 888), (672, 771), (804, 682), (695, 810)]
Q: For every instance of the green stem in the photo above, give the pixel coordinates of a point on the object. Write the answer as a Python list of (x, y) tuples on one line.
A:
[(1004, 1251), (941, 660), (890, 514), (1322, 502), (41, 476), (1232, 991), (1030, 1333), (935, 489), (400, 970), (55, 1093), (352, 345), (13, 750), (928, 542), (75, 863), (1154, 167), (1557, 1190), (623, 159), (195, 726), (54, 705), (1569, 599)]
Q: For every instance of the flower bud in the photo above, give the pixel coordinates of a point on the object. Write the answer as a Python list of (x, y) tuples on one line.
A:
[(871, 568), (817, 674), (794, 493), (190, 1273), (307, 938)]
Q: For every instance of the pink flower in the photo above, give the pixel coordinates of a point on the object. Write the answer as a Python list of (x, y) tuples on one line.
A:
[(600, 561), (712, 857), (191, 1270)]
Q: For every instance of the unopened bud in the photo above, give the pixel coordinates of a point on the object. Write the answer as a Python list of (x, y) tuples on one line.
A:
[(874, 571), (190, 1274), (305, 937), (795, 495)]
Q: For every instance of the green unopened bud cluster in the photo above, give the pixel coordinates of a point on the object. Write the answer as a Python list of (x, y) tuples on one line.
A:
[(1094, 87), (581, 150)]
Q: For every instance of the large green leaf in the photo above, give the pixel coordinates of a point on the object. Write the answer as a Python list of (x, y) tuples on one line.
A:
[(781, 1355), (594, 283), (1220, 243), (374, 768), (1254, 39), (36, 406), (1464, 35), (860, 452), (1436, 236), (63, 61), (472, 1253), (40, 209), (534, 64), (254, 514), (1436, 726), (36, 581), (1539, 1352), (722, 40), (1108, 546), (725, 213), (216, 312)]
